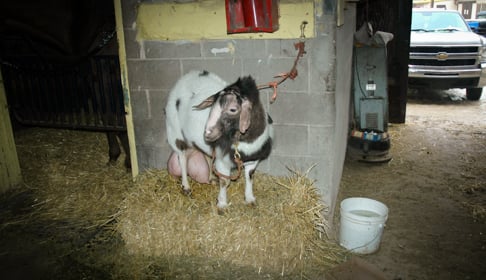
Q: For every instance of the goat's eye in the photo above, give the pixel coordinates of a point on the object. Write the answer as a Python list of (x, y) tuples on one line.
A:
[(233, 111)]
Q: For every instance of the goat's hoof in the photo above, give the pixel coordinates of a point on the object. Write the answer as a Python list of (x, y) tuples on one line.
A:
[(250, 201), (187, 192), (221, 207), (221, 211), (252, 204)]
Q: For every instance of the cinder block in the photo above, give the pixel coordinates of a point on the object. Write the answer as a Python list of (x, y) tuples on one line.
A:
[(218, 49), (321, 140), (149, 157), (238, 49), (157, 102), (139, 103), (291, 140), (273, 48), (228, 69), (282, 48), (132, 47), (153, 74), (250, 49), (322, 76), (150, 133), (303, 109), (287, 48), (160, 49)]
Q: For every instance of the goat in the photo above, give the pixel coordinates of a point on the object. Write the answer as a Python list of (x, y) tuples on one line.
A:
[(235, 127)]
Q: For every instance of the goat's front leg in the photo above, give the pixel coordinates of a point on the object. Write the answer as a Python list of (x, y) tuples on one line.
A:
[(223, 166), (222, 196), (250, 167)]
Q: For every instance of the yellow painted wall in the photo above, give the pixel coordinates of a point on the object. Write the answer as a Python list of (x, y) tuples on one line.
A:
[(206, 19), (9, 164)]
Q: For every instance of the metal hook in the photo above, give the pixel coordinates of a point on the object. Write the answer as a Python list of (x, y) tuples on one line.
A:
[(302, 29)]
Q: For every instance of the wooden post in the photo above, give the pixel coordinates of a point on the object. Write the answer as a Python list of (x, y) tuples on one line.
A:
[(9, 163), (126, 88)]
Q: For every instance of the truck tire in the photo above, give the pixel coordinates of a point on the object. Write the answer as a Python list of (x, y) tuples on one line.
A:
[(473, 93)]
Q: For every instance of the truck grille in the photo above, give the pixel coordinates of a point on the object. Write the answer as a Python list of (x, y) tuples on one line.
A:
[(455, 56), (434, 49), (449, 62)]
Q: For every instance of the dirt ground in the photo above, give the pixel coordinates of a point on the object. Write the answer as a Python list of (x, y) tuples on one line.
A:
[(434, 187)]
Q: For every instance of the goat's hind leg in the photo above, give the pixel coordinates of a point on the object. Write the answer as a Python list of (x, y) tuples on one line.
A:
[(213, 179), (186, 188)]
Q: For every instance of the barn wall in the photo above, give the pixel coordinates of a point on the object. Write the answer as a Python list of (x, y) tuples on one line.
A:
[(310, 113), (167, 21)]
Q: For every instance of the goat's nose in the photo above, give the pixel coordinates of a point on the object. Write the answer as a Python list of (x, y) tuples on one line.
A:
[(208, 131)]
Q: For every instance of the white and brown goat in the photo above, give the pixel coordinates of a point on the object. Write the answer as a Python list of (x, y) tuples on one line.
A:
[(226, 122)]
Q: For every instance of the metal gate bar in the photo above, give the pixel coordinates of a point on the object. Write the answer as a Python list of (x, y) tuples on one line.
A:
[(87, 95)]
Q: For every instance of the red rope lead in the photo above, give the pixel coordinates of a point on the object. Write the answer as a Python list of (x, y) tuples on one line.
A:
[(292, 74)]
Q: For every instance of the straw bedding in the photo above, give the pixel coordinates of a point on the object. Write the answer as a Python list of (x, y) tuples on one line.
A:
[(283, 234), (166, 234), (67, 172)]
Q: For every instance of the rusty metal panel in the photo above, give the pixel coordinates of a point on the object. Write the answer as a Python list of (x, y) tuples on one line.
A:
[(86, 95)]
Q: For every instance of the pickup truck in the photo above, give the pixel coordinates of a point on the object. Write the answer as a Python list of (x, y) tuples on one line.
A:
[(445, 53), (478, 25)]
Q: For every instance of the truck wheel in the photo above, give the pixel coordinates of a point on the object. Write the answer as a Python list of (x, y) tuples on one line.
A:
[(473, 93)]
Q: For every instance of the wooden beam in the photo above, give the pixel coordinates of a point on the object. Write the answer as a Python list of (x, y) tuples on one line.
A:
[(10, 174)]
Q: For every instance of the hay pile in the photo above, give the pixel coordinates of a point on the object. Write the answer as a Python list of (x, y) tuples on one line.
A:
[(148, 229), (67, 173), (283, 235)]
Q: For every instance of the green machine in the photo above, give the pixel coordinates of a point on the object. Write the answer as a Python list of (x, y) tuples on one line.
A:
[(369, 140)]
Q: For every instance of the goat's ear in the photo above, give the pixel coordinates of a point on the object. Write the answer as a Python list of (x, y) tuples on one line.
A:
[(245, 115), (208, 102)]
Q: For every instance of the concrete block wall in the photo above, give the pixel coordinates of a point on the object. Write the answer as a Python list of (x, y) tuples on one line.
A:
[(304, 113)]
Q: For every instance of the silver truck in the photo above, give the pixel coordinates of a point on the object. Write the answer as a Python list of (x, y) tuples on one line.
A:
[(445, 53)]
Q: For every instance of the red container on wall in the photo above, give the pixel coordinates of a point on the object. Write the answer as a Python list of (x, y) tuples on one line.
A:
[(247, 16)]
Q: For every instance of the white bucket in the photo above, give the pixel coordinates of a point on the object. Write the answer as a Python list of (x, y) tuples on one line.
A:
[(362, 223)]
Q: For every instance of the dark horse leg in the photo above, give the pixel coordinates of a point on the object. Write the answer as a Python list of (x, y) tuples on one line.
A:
[(114, 147)]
